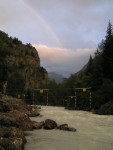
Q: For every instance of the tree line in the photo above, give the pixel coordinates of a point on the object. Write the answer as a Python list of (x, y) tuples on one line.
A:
[(96, 74)]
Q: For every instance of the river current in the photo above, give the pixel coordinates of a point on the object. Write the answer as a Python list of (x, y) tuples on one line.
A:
[(94, 132)]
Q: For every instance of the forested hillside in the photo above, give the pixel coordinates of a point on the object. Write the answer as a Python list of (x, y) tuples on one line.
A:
[(20, 69), (98, 75)]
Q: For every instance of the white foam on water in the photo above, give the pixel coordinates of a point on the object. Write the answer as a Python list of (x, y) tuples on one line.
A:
[(94, 132)]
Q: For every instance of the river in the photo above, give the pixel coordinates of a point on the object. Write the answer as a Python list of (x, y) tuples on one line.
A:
[(94, 132)]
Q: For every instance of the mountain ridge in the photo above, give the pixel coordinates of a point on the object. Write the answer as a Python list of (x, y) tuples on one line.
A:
[(56, 76)]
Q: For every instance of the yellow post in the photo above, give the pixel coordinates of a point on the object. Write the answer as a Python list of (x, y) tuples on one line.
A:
[(84, 89), (41, 90)]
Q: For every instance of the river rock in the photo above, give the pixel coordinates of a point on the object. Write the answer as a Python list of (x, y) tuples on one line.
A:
[(50, 124), (33, 113), (65, 127), (22, 118), (33, 110), (37, 125), (62, 126)]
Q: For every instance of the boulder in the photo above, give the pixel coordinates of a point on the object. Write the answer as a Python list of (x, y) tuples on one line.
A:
[(16, 118), (62, 126), (50, 124), (65, 127), (37, 125), (33, 113), (22, 118), (70, 129), (33, 110)]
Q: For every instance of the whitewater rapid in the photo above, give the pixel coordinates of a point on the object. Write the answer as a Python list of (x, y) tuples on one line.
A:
[(94, 132)]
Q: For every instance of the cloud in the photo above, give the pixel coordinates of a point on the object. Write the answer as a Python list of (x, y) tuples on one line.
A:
[(11, 12), (71, 21), (79, 25), (76, 20), (63, 60)]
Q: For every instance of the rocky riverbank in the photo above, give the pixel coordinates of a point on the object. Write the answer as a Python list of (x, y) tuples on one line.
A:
[(15, 120)]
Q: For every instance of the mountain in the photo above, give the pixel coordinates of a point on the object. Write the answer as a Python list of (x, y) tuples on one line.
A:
[(55, 76), (20, 68)]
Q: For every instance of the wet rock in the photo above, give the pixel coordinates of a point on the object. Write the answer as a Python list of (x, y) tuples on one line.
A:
[(33, 113), (22, 118), (50, 124), (65, 127), (38, 125), (62, 126), (71, 129)]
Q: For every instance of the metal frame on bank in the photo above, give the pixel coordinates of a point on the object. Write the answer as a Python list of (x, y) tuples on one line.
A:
[(41, 91), (85, 89)]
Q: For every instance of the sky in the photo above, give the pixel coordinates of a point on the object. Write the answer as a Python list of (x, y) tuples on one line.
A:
[(64, 32)]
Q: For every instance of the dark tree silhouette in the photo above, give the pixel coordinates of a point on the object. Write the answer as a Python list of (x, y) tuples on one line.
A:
[(108, 53)]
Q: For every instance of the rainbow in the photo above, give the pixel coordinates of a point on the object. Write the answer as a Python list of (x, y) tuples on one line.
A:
[(42, 21)]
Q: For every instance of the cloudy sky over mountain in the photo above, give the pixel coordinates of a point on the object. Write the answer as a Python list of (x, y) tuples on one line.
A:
[(65, 32)]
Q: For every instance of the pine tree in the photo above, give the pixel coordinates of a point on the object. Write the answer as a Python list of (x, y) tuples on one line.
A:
[(108, 53), (89, 66)]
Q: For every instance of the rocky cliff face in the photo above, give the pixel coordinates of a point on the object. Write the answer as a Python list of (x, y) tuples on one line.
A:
[(20, 68)]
